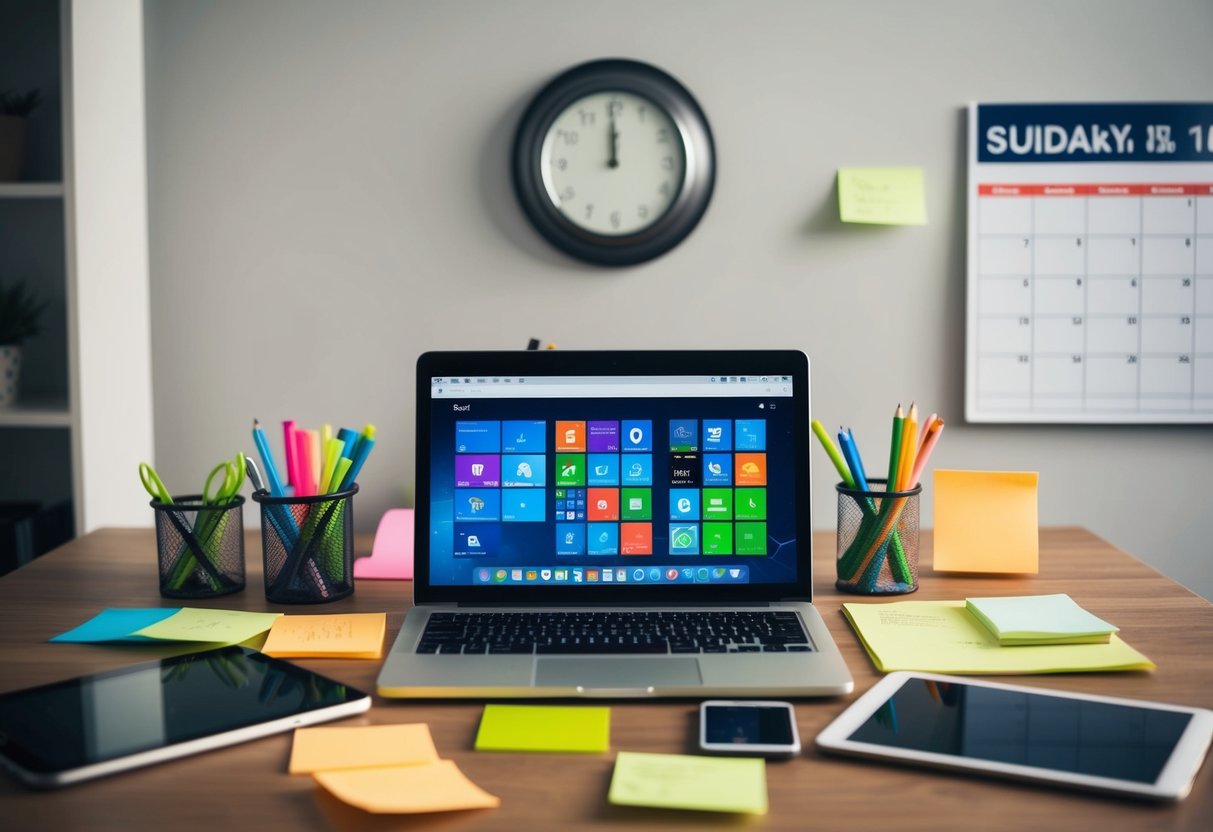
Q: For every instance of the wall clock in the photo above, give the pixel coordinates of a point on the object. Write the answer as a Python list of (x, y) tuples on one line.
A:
[(614, 162)]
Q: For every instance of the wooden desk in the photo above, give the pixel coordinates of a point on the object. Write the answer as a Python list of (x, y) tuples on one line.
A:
[(246, 786)]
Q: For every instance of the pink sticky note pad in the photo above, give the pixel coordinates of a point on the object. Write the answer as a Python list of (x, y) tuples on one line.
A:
[(392, 553)]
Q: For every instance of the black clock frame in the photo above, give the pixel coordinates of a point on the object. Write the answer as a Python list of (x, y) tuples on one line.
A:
[(689, 203)]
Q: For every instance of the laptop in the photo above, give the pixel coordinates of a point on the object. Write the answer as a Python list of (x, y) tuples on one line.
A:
[(613, 524)]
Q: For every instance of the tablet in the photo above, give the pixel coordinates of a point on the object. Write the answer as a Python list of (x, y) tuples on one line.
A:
[(1126, 746), (108, 722)]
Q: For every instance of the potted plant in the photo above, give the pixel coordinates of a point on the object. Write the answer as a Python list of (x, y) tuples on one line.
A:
[(15, 109), (20, 318)]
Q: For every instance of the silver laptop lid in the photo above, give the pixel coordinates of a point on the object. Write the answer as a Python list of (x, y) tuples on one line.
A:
[(608, 477)]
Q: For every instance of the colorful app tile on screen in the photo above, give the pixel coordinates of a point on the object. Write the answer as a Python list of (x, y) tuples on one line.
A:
[(636, 435), (523, 437), (717, 435), (717, 504), (602, 503), (477, 504), (477, 540), (636, 538), (750, 504), (717, 469), (751, 469), (684, 504), (602, 469), (751, 435), (751, 538), (685, 469), (570, 436), (477, 470), (636, 504), (718, 538), (477, 437), (522, 470), (523, 505), (570, 538), (602, 538), (684, 435), (602, 437), (636, 469), (570, 469), (684, 539)]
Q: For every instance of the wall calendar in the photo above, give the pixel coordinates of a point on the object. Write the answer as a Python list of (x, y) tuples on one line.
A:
[(1090, 263)]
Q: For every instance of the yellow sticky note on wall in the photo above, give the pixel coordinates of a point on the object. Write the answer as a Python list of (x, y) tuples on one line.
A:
[(985, 521), (882, 196)]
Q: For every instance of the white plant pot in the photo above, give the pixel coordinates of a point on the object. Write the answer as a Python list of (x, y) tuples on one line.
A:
[(10, 374)]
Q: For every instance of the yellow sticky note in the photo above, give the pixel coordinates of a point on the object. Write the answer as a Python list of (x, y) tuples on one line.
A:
[(217, 626), (360, 746), (432, 787), (544, 728), (882, 196), (985, 521), (681, 781), (345, 636)]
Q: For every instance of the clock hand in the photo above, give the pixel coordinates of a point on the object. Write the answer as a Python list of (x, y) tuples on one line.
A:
[(613, 162)]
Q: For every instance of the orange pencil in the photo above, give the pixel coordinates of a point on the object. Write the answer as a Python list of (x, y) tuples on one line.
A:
[(930, 439), (926, 426), (909, 448)]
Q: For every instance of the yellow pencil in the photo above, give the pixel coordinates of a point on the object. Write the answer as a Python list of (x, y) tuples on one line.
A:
[(909, 448)]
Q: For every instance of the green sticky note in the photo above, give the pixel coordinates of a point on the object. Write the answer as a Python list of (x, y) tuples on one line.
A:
[(680, 781), (882, 196), (212, 626), (544, 728), (1040, 619)]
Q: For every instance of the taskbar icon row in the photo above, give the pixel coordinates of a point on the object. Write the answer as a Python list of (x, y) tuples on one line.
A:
[(650, 575)]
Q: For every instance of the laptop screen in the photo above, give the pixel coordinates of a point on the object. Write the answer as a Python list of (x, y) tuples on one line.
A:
[(610, 476)]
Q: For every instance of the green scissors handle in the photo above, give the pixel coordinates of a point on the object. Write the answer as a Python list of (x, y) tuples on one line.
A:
[(233, 477), (154, 485)]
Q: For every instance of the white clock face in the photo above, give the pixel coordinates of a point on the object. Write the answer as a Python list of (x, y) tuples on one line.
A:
[(613, 162)]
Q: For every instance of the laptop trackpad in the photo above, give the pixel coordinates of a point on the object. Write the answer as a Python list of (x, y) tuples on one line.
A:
[(617, 673)]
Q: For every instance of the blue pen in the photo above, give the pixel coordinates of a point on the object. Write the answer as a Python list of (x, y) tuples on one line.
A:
[(267, 459), (850, 452), (350, 438), (366, 441)]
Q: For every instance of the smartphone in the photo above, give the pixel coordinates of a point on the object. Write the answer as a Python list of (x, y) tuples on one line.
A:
[(749, 728)]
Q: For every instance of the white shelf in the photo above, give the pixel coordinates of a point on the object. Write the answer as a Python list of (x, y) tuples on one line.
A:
[(31, 190), (36, 413)]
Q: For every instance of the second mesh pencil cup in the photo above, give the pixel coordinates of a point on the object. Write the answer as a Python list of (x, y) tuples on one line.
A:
[(308, 544), (877, 540), (200, 547)]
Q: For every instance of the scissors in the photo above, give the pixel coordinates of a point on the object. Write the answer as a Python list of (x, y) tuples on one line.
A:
[(233, 477), (231, 469)]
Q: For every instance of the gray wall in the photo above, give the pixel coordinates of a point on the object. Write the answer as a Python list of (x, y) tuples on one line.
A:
[(329, 197)]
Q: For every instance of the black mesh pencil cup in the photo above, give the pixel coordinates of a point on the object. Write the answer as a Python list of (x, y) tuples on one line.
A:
[(200, 547), (877, 540), (308, 545)]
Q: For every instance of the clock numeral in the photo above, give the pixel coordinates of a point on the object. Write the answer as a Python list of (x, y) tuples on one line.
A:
[(562, 164), (567, 194), (641, 112), (589, 210), (588, 117), (663, 136), (614, 107), (664, 189), (642, 211), (568, 136), (616, 219), (667, 162)]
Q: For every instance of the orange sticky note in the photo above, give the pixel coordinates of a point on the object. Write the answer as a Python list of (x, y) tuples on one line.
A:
[(361, 746), (985, 521), (343, 636), (433, 787)]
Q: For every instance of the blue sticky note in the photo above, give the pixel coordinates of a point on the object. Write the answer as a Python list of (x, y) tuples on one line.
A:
[(116, 625)]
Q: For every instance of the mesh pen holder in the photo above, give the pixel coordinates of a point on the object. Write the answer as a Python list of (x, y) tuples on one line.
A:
[(877, 540), (308, 545), (200, 547)]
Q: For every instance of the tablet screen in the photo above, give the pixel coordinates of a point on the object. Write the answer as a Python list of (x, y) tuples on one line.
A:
[(1117, 741), (107, 716)]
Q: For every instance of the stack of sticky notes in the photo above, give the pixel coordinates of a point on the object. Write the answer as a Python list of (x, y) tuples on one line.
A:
[(1039, 619), (682, 781), (340, 636), (385, 769)]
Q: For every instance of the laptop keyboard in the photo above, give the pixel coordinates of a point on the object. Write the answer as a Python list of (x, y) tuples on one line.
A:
[(614, 632)]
